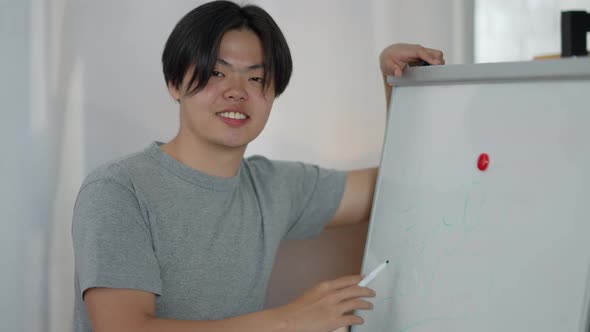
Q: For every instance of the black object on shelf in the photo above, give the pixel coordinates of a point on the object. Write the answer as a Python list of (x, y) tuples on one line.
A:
[(575, 25)]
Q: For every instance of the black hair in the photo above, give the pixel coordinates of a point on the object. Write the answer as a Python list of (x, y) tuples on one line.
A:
[(196, 38)]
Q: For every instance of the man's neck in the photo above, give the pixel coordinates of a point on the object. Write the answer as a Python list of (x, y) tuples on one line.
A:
[(206, 158)]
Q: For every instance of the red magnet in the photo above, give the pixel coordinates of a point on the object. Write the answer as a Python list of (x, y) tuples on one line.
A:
[(483, 162)]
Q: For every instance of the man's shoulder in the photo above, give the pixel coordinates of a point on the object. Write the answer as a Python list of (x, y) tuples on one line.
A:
[(118, 170), (275, 173), (265, 165)]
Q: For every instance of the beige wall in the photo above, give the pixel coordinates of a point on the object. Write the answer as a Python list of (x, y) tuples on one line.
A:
[(300, 264)]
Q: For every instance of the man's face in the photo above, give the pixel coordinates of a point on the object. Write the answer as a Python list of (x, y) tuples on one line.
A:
[(234, 106)]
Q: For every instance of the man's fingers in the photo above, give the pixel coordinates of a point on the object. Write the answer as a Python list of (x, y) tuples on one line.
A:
[(432, 56), (356, 304), (352, 292), (336, 284), (391, 66), (396, 68), (348, 320)]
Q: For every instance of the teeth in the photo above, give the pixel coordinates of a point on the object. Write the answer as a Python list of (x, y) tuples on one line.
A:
[(233, 115)]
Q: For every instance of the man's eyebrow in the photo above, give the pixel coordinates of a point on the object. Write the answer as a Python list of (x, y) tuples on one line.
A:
[(253, 67)]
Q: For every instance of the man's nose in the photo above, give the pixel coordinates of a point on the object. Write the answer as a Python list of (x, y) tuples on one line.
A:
[(235, 90)]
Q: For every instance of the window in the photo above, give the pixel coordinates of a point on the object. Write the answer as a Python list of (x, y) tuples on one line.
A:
[(519, 30)]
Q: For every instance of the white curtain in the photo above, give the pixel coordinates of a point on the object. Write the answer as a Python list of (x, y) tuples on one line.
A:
[(81, 84)]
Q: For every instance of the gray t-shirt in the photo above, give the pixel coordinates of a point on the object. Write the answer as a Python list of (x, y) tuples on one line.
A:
[(205, 245)]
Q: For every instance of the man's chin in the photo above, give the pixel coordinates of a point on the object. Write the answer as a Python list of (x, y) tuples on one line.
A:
[(234, 145)]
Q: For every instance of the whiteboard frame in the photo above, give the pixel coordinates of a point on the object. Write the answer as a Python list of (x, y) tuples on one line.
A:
[(570, 68)]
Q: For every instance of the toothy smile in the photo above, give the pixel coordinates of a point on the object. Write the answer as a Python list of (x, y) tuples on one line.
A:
[(233, 115)]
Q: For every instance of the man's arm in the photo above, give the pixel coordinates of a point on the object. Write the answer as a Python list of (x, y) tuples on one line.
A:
[(323, 308), (356, 203), (129, 310)]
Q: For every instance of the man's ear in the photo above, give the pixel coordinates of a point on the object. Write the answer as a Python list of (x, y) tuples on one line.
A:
[(174, 92)]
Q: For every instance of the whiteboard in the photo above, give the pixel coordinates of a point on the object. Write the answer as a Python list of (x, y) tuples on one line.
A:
[(505, 249)]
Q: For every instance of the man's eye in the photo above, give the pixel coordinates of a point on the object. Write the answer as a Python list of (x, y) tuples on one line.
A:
[(257, 79), (216, 73)]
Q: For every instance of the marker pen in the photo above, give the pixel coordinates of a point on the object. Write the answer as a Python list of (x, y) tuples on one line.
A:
[(366, 280)]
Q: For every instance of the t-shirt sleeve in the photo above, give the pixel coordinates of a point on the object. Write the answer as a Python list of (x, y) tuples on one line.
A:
[(112, 241), (315, 196)]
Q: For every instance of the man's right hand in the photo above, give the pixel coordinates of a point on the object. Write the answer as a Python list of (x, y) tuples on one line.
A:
[(328, 306)]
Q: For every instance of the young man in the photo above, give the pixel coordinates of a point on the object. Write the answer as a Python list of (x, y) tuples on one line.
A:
[(182, 236)]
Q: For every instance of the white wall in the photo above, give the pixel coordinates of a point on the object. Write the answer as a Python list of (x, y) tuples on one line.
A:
[(84, 86)]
